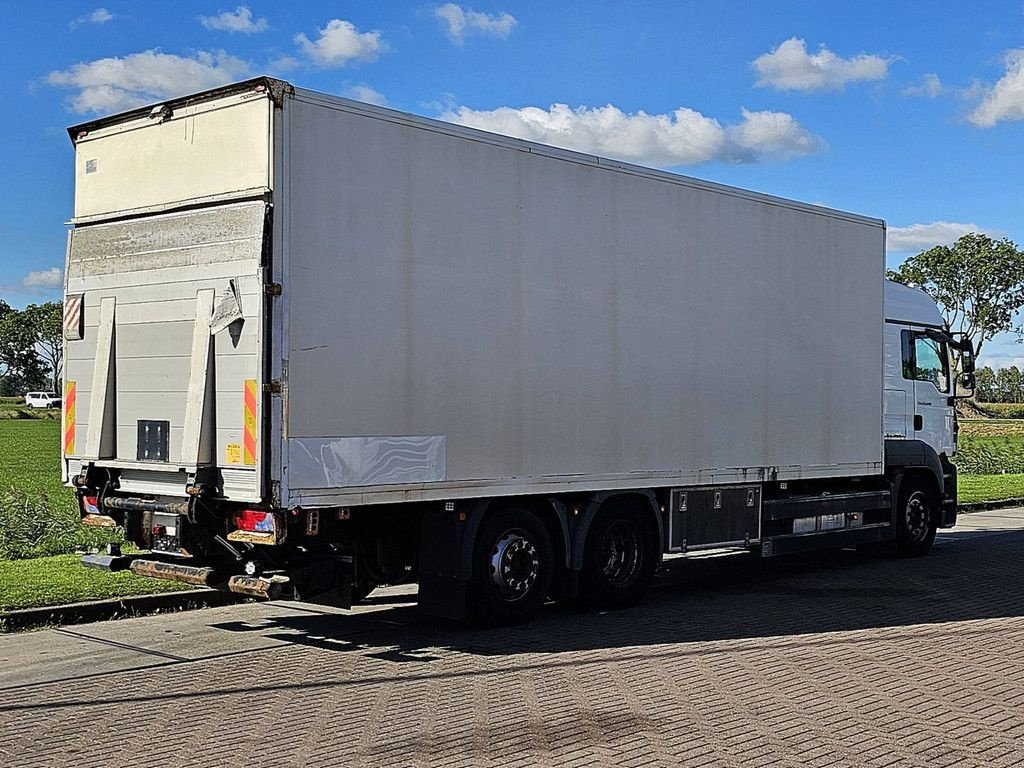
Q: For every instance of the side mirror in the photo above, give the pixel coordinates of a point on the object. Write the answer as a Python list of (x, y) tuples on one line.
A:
[(965, 384), (963, 345)]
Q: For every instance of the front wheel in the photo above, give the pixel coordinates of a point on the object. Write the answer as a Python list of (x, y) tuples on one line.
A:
[(619, 558), (916, 517), (513, 562)]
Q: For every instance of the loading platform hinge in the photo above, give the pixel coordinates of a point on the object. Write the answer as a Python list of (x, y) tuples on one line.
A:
[(273, 387), (272, 289)]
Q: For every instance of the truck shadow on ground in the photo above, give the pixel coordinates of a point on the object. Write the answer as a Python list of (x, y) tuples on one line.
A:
[(969, 576)]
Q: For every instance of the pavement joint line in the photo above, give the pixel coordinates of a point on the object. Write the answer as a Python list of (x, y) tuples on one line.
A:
[(123, 646), (279, 642), (143, 668)]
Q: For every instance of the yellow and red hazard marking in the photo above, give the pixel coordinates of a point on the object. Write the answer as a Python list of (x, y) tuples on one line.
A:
[(249, 443), (69, 418)]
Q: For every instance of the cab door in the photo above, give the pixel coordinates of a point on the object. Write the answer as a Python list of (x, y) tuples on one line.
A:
[(926, 363)]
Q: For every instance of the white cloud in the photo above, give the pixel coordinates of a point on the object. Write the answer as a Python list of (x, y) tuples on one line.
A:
[(119, 83), (363, 92), (791, 68), (930, 87), (340, 43), (920, 237), (240, 20), (460, 22), (1005, 99), (99, 16), (682, 137), (45, 278), (765, 133), (283, 64)]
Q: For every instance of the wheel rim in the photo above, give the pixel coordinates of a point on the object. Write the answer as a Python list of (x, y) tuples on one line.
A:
[(621, 556), (917, 516), (514, 565)]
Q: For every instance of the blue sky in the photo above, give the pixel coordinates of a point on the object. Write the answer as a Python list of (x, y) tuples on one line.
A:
[(911, 112)]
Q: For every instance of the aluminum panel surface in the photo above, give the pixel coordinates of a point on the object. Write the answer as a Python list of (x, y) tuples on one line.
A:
[(206, 150), (355, 461), (555, 318)]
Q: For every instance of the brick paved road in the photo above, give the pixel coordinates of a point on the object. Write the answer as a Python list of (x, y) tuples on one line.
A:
[(832, 660)]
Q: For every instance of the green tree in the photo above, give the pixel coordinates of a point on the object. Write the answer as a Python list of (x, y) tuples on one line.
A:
[(985, 389), (21, 367), (978, 282), (46, 322)]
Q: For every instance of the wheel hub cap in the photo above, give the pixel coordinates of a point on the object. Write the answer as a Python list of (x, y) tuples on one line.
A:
[(621, 555), (514, 566), (917, 516)]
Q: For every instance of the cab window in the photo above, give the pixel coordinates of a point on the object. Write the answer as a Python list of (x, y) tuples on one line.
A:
[(925, 359)]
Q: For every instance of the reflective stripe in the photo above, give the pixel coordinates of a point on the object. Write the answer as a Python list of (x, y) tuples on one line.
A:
[(69, 418), (249, 444), (73, 317)]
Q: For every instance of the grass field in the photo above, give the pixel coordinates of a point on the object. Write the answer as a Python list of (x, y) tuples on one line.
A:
[(62, 579), (38, 515), (990, 460), (972, 489), (30, 460)]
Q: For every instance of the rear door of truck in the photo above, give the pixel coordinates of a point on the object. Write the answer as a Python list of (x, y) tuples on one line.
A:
[(165, 321)]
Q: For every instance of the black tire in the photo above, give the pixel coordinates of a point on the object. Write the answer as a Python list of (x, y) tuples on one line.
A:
[(619, 557), (916, 517), (513, 562)]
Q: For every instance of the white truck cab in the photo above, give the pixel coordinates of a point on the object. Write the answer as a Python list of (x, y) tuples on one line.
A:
[(920, 386), (919, 383)]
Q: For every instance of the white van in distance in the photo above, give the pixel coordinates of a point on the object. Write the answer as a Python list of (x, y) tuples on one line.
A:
[(42, 400)]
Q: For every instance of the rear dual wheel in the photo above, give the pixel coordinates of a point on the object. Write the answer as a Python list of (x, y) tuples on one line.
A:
[(619, 557)]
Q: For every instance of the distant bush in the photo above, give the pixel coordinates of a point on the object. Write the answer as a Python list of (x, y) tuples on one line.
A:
[(1004, 410), (31, 526), (8, 412)]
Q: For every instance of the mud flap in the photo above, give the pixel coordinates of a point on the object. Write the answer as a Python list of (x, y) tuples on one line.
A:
[(443, 583)]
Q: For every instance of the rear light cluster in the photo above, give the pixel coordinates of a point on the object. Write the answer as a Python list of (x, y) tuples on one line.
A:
[(91, 505), (255, 521)]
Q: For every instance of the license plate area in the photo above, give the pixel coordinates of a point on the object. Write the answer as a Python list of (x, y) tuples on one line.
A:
[(165, 534)]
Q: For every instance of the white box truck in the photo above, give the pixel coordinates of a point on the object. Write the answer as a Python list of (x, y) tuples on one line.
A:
[(314, 346)]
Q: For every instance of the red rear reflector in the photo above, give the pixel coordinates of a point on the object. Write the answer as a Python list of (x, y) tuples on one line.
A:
[(91, 504), (159, 530), (254, 520)]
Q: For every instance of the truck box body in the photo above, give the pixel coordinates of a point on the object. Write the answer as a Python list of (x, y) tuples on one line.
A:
[(460, 314)]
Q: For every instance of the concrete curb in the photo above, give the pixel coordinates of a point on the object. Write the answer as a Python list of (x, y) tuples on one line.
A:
[(982, 506), (102, 610)]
